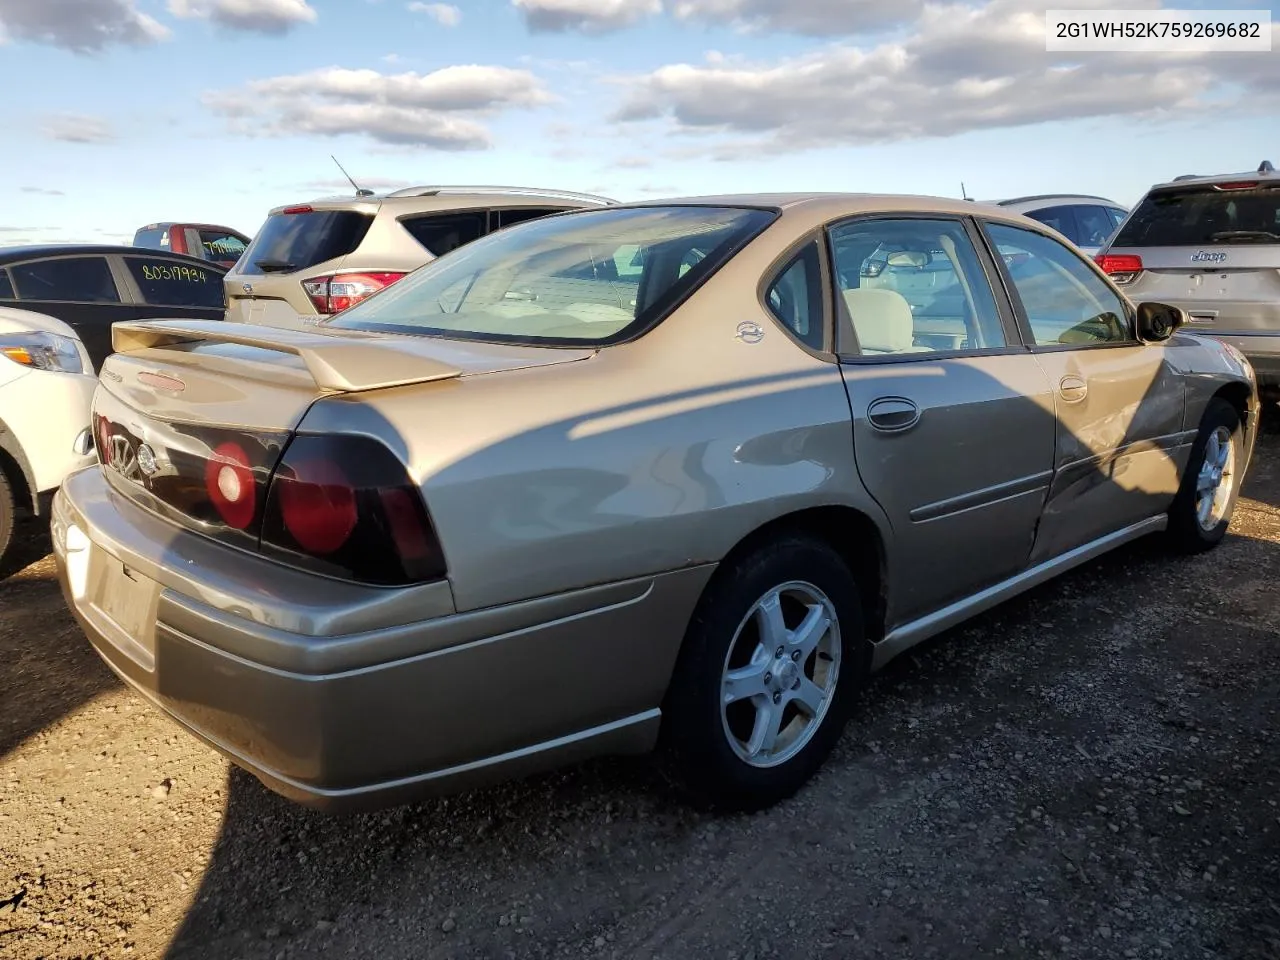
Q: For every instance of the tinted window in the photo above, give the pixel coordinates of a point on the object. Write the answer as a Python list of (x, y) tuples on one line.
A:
[(441, 234), (795, 298), (296, 241), (593, 277), (1095, 225), (6, 287), (506, 218), (171, 283), (1198, 217), (1065, 301), (220, 246), (1058, 218), (914, 286), (1117, 215), (76, 279), (154, 239)]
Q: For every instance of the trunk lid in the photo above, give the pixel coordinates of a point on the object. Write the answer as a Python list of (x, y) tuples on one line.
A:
[(180, 398)]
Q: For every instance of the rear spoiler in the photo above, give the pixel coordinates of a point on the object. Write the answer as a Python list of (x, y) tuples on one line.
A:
[(340, 364)]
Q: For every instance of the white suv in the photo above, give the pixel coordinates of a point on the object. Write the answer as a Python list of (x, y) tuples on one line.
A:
[(46, 389)]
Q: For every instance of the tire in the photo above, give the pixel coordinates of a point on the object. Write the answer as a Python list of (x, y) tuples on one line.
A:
[(8, 512), (706, 748), (1193, 526)]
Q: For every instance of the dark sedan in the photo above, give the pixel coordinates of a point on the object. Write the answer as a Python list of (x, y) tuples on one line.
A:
[(92, 287)]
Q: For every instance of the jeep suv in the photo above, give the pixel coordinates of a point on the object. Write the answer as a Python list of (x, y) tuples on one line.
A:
[(312, 260), (1210, 245)]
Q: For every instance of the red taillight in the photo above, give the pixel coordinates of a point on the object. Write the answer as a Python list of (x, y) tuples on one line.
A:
[(290, 211), (1113, 263), (341, 291), (317, 505), (1239, 185), (228, 480), (345, 506)]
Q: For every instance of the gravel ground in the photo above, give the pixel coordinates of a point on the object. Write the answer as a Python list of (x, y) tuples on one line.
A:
[(1089, 771)]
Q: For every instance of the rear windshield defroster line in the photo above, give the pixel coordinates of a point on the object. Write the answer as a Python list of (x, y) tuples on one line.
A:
[(298, 241), (595, 277)]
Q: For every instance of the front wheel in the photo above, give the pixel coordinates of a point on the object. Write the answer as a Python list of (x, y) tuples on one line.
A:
[(766, 677), (1202, 510)]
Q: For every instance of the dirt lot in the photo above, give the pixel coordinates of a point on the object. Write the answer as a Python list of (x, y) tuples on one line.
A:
[(1090, 771)]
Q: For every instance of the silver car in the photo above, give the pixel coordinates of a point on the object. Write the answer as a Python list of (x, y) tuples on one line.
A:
[(1210, 245), (673, 474)]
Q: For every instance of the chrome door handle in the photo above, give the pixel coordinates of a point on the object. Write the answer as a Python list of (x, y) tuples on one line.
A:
[(893, 414), (1073, 389)]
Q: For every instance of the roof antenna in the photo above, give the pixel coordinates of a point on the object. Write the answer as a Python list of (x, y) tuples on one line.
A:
[(360, 192), (964, 193)]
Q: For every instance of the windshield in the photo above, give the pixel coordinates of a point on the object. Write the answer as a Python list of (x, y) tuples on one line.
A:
[(1196, 218), (591, 277)]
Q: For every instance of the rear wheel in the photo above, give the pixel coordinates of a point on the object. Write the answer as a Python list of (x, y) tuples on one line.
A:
[(1201, 512), (767, 676)]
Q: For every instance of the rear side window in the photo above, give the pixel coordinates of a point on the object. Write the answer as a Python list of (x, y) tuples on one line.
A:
[(170, 283), (296, 241), (1095, 225), (1196, 218), (507, 218), (153, 239), (1117, 215), (1061, 219), (6, 286), (220, 246), (72, 279), (440, 234), (795, 297)]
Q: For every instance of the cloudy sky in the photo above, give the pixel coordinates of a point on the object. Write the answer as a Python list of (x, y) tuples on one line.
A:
[(121, 112)]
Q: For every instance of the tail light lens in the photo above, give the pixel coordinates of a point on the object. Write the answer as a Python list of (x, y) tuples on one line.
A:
[(228, 480), (1122, 268), (345, 506), (333, 294)]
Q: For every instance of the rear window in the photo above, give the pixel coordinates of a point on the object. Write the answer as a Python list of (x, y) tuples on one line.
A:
[(154, 239), (70, 279), (170, 283), (296, 241), (592, 278), (1196, 218)]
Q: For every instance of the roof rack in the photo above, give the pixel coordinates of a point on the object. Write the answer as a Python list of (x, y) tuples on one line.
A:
[(1187, 176), (431, 191), (1051, 196)]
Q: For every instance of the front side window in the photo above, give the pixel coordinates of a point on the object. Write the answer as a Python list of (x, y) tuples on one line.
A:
[(70, 279), (914, 286), (590, 277), (795, 297), (221, 247), (170, 283), (441, 234), (1065, 301)]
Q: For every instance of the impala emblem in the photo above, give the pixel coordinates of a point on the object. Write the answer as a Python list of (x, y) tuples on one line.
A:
[(247, 287), (750, 332)]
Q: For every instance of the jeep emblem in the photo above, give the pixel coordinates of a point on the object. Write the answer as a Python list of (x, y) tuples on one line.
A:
[(1206, 256)]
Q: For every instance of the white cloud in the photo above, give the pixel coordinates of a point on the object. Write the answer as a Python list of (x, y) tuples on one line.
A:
[(43, 191), (84, 26), (962, 69), (823, 18), (437, 110), (77, 128), (270, 17), (445, 14), (584, 16)]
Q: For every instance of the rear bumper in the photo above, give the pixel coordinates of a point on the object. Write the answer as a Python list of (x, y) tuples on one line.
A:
[(342, 703), (1262, 351)]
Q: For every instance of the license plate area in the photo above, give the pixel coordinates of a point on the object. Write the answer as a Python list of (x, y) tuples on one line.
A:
[(122, 604)]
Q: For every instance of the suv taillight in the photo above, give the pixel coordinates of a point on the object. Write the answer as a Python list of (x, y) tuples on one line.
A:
[(336, 293), (345, 506), (1120, 267)]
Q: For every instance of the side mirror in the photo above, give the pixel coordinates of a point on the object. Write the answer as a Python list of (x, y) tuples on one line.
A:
[(1158, 321)]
